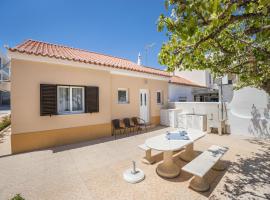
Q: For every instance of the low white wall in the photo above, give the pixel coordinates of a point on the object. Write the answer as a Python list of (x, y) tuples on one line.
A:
[(211, 109), (247, 110), (176, 91)]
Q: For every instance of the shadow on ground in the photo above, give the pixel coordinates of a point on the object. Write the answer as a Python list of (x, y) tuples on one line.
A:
[(213, 177), (103, 140), (248, 177)]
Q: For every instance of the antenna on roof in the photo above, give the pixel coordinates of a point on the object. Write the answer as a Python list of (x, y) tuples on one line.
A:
[(147, 48)]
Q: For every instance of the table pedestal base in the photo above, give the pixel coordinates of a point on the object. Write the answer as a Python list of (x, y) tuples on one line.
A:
[(199, 184), (168, 169), (188, 154), (219, 166)]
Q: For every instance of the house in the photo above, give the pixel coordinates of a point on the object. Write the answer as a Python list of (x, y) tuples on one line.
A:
[(62, 95), (181, 89), (210, 85), (4, 81)]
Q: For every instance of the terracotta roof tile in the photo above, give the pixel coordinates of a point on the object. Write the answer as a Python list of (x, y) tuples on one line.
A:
[(182, 81), (73, 54), (79, 55)]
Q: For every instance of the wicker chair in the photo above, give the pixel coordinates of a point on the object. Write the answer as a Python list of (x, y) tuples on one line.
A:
[(137, 122), (128, 125), (117, 127)]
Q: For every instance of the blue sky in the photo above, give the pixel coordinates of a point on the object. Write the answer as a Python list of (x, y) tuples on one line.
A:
[(116, 27)]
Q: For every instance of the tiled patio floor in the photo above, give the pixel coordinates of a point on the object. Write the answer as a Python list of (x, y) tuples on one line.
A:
[(93, 170)]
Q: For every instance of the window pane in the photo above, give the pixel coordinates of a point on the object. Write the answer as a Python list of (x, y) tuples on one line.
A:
[(144, 99), (122, 96), (64, 101), (158, 97), (77, 99)]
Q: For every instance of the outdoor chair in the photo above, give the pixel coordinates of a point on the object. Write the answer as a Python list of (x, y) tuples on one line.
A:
[(128, 125), (137, 122), (117, 127)]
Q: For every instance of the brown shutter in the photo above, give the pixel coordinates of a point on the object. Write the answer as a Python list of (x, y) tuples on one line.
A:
[(48, 99), (91, 99)]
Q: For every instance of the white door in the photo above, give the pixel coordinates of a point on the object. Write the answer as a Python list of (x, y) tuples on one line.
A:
[(144, 105)]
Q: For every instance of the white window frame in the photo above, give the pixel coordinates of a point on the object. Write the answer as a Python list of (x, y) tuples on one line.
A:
[(70, 102), (161, 97), (127, 95)]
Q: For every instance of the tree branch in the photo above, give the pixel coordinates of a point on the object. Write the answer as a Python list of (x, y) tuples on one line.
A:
[(232, 19), (248, 43), (205, 22), (224, 50), (254, 30)]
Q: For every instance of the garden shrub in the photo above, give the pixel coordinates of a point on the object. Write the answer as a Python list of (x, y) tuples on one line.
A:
[(6, 121)]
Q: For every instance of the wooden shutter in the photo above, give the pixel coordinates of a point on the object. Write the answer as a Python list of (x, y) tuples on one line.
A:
[(91, 99), (48, 99)]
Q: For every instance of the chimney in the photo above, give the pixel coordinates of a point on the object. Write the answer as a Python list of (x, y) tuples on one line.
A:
[(139, 61)]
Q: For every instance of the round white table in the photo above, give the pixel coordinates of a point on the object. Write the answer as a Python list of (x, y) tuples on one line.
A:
[(167, 169)]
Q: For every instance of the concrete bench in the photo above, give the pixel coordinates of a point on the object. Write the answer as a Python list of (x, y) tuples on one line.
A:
[(148, 159), (202, 164)]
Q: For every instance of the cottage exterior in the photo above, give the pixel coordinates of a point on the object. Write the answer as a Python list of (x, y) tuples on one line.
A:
[(62, 95), (123, 87)]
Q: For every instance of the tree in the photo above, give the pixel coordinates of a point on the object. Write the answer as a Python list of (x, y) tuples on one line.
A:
[(224, 36)]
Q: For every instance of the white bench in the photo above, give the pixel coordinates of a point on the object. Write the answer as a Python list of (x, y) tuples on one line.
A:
[(202, 164), (148, 159)]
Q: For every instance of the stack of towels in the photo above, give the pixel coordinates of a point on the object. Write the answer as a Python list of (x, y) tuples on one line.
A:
[(177, 135)]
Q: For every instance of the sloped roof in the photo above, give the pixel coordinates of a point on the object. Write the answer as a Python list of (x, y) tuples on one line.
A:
[(182, 81), (39, 48), (73, 54)]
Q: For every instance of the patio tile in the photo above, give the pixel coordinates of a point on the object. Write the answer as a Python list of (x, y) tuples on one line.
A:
[(93, 170)]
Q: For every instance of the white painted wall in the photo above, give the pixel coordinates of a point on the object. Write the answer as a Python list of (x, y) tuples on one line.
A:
[(200, 77), (249, 113), (227, 93), (210, 109), (176, 91)]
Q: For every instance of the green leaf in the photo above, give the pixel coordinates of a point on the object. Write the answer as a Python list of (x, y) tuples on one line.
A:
[(200, 28)]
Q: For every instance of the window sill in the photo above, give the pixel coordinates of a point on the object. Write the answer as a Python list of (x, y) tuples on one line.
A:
[(123, 102), (71, 113)]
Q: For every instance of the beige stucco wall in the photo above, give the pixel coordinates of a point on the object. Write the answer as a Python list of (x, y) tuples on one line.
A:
[(25, 96), (30, 131), (134, 84)]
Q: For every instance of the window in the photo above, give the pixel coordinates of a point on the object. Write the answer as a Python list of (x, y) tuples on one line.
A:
[(70, 99), (122, 95), (182, 99), (159, 97)]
